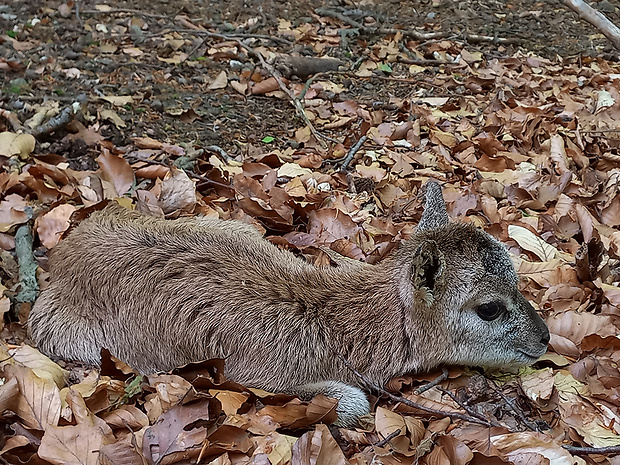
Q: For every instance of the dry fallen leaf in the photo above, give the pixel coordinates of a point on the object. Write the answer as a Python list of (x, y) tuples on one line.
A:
[(55, 222), (16, 144), (178, 192), (219, 82), (116, 170), (529, 241)]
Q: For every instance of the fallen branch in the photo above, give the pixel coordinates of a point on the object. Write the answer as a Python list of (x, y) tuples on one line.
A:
[(431, 384), (126, 10), (387, 439), (577, 450), (219, 150), (352, 152), (472, 38), (62, 119), (597, 19), (403, 400), (303, 67), (234, 36)]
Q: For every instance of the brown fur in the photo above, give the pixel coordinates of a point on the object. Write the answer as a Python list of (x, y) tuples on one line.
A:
[(160, 293)]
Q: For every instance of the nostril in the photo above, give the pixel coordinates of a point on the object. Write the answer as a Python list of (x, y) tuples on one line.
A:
[(545, 339)]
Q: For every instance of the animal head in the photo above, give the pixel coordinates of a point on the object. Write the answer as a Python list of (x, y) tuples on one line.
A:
[(462, 281)]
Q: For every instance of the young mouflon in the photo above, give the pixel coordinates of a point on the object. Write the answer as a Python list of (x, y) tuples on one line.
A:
[(161, 293)]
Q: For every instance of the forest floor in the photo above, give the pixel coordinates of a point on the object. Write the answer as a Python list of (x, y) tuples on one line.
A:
[(184, 108)]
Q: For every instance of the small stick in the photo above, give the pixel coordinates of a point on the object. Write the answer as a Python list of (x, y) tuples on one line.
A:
[(234, 36), (219, 150), (592, 450), (442, 377), (387, 439), (514, 408), (467, 408), (352, 152), (473, 38), (410, 403), (125, 10), (62, 119)]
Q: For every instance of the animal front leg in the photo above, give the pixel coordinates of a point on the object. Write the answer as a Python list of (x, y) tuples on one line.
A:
[(352, 402)]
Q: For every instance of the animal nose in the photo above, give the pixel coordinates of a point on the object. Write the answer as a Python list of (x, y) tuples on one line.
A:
[(545, 339)]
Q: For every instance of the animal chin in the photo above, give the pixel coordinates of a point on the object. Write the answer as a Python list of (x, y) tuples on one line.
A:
[(529, 356)]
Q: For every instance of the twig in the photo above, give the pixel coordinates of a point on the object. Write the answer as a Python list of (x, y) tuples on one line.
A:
[(597, 19), (577, 450), (229, 36), (442, 377), (296, 102), (219, 150), (472, 38), (62, 119), (466, 407), (125, 10), (77, 12), (409, 61), (513, 407), (352, 152), (387, 439), (403, 400)]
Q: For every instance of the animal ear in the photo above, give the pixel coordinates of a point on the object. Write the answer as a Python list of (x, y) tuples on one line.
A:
[(427, 268), (435, 214)]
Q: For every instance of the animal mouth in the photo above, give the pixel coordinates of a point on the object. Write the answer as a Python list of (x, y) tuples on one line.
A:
[(529, 356)]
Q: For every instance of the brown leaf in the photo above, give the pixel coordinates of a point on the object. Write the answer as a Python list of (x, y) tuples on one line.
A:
[(120, 453), (115, 170), (169, 436), (388, 423), (318, 447), (577, 325), (55, 222), (178, 192), (79, 444), (39, 403), (12, 212), (268, 85), (611, 214), (41, 365), (329, 224), (126, 416), (152, 172)]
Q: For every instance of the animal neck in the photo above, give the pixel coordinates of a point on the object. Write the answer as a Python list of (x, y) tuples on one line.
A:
[(373, 322)]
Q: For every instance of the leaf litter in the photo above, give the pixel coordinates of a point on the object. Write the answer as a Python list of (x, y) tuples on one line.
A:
[(525, 146)]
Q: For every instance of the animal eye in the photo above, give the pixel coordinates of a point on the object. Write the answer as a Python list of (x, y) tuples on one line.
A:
[(490, 311)]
